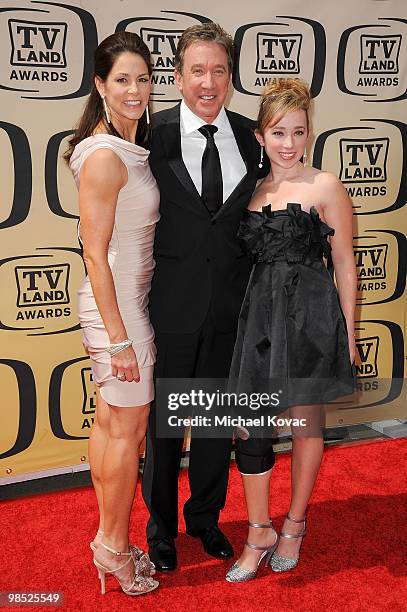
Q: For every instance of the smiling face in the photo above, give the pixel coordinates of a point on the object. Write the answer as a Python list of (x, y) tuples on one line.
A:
[(285, 140), (205, 79), (126, 90)]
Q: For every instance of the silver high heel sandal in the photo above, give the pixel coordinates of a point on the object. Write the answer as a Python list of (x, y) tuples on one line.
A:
[(142, 581), (237, 573), (285, 564)]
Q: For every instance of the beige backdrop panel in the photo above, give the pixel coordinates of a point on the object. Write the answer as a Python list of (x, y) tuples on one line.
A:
[(358, 133)]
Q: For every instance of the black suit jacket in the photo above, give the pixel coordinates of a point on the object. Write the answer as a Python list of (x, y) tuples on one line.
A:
[(199, 261)]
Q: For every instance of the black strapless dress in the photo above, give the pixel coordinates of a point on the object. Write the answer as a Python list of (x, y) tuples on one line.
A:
[(291, 330)]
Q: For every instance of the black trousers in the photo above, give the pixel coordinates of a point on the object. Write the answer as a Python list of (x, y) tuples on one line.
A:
[(205, 353)]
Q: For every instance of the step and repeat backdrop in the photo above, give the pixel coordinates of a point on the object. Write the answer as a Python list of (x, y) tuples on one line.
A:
[(354, 55)]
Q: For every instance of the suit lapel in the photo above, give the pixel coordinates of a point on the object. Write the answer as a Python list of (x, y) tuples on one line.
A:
[(244, 141), (171, 138)]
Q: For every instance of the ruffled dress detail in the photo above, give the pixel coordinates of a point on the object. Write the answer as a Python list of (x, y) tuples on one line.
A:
[(292, 332)]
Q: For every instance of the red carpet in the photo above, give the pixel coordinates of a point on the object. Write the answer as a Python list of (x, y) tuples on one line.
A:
[(353, 558)]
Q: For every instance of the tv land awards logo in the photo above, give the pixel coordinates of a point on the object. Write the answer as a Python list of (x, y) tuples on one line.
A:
[(381, 265), (371, 266), (284, 47), (16, 160), (379, 362), (364, 160), (89, 398), (366, 357), (72, 399), (163, 45), (54, 169), (38, 45), (369, 158), (161, 35), (17, 157), (42, 286), (278, 53), (39, 299), (71, 403), (381, 52), (18, 388), (49, 49)]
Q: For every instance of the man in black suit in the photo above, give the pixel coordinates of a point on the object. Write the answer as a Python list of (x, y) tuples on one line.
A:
[(205, 160)]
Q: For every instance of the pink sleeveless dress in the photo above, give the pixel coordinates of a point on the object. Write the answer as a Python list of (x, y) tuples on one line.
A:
[(130, 257)]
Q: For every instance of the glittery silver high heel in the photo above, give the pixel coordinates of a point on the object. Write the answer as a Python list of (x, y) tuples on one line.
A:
[(285, 564), (237, 573)]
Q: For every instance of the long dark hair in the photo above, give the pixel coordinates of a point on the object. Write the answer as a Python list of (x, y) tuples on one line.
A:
[(105, 56)]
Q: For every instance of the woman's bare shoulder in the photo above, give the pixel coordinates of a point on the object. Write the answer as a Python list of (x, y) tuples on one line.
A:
[(103, 169), (259, 196), (327, 179)]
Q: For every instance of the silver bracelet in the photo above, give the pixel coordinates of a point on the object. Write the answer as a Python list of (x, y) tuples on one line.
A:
[(113, 349)]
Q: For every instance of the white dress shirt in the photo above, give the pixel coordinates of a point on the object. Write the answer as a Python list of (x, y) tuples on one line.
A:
[(193, 144)]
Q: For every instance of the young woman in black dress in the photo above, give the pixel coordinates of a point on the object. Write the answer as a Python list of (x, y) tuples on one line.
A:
[(295, 325)]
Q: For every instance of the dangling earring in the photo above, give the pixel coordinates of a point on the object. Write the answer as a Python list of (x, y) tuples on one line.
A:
[(261, 157), (305, 158), (106, 109), (147, 115)]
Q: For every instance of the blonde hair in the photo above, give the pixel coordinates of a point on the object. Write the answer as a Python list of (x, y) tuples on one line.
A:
[(282, 96)]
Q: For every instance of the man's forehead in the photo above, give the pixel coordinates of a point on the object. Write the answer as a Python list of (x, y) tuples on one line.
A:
[(204, 62), (205, 49)]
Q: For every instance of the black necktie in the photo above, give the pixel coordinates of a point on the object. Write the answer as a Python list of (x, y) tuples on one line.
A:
[(212, 187)]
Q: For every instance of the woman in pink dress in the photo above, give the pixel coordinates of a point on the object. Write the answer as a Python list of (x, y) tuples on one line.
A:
[(118, 203)]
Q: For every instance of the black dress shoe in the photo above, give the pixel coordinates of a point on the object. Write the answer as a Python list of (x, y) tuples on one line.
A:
[(215, 543), (163, 554)]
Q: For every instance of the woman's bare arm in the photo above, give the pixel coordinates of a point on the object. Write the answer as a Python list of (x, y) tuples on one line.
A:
[(338, 214), (103, 174)]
